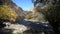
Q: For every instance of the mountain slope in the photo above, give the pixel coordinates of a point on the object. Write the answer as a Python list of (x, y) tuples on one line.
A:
[(13, 6)]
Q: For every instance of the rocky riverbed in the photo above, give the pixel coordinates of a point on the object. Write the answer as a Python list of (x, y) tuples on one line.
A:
[(14, 28), (25, 27)]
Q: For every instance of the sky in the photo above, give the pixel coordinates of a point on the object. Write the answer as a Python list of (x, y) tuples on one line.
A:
[(24, 4)]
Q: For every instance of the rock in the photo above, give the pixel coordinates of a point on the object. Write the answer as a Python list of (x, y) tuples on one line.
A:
[(17, 28)]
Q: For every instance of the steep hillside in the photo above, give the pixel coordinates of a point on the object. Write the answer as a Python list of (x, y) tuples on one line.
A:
[(13, 6)]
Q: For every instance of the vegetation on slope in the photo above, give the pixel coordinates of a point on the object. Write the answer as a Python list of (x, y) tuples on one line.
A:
[(7, 14)]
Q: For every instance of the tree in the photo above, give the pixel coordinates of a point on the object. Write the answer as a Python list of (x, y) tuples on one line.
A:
[(6, 14), (29, 16), (52, 12)]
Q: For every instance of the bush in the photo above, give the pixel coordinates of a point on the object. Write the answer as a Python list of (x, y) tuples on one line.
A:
[(29, 16), (7, 14)]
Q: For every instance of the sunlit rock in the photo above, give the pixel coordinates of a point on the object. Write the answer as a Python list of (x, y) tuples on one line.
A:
[(17, 28)]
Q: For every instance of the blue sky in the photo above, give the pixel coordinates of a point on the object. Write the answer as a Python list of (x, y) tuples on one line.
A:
[(24, 4)]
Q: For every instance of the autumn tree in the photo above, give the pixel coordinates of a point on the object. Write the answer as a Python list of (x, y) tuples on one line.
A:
[(29, 16), (6, 14)]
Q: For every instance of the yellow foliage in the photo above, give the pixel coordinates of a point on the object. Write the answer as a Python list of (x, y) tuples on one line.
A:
[(29, 16), (7, 14)]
